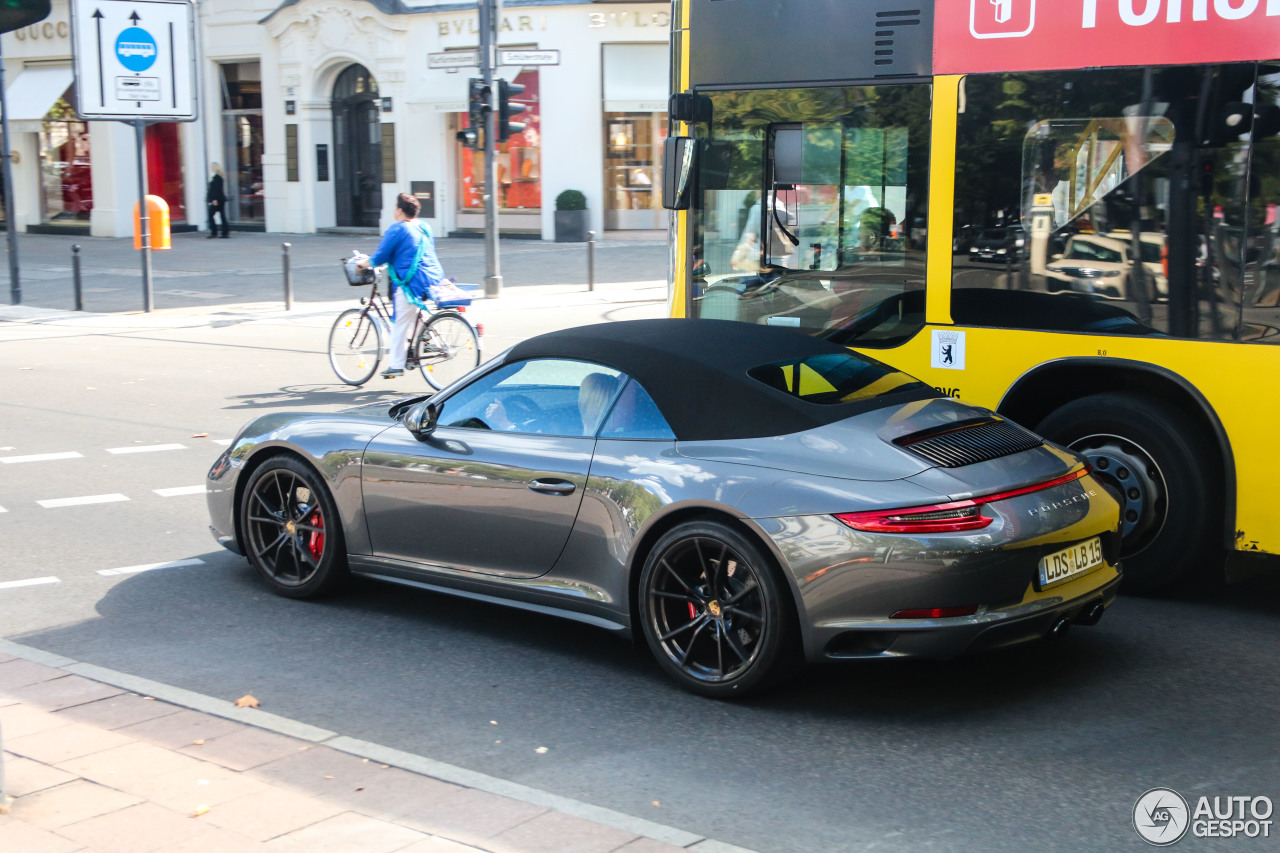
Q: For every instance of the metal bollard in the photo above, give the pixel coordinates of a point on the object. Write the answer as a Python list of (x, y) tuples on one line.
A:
[(591, 260), (75, 275), (288, 279)]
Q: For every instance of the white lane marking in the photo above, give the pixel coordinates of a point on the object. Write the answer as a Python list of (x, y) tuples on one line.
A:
[(225, 442), (146, 567), (146, 448), (52, 503), (179, 490), (41, 457), (31, 582), (2, 509)]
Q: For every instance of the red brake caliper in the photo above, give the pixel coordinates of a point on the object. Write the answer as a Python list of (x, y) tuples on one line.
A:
[(316, 543), (693, 614)]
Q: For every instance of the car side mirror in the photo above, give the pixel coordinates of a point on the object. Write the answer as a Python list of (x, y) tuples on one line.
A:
[(420, 418)]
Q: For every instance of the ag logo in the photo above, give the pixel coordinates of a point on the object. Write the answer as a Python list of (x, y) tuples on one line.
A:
[(1161, 817), (1001, 19)]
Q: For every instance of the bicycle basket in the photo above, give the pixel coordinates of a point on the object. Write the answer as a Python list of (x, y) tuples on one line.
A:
[(357, 277)]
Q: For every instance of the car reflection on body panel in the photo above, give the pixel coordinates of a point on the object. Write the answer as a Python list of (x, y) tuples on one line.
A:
[(744, 497)]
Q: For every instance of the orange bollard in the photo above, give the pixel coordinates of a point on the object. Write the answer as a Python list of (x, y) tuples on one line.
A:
[(158, 213)]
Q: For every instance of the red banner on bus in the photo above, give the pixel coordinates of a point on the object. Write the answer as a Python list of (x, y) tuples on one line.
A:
[(1032, 35)]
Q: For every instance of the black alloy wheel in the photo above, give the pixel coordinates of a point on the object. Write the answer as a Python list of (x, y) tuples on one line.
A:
[(1158, 463), (291, 530), (713, 611)]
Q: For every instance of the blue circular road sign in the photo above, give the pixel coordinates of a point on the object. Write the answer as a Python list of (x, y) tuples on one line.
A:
[(136, 49)]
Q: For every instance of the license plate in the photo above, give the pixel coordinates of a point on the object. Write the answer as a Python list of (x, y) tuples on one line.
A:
[(1070, 562)]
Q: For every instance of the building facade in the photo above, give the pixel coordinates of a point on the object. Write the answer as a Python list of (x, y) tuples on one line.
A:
[(320, 111)]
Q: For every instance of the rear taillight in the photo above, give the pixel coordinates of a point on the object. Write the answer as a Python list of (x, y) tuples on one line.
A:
[(944, 518), (479, 328), (940, 518)]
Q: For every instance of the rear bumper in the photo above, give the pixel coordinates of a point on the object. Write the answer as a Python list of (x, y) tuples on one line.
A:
[(951, 637)]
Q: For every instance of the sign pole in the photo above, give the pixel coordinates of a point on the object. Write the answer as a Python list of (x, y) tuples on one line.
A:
[(490, 12), (15, 283), (144, 220)]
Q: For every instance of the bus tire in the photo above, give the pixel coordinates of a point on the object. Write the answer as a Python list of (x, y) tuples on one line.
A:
[(1146, 452)]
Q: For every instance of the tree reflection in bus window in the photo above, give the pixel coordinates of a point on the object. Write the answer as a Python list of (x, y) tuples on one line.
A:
[(812, 210), (1146, 201)]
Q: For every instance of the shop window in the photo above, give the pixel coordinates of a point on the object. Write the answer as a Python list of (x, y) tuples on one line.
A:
[(519, 158), (164, 167), (632, 166), (242, 139), (66, 180)]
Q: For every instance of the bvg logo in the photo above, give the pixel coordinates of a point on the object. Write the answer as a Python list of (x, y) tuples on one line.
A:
[(1001, 19)]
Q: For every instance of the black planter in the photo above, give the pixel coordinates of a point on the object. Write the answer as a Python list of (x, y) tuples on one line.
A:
[(571, 226)]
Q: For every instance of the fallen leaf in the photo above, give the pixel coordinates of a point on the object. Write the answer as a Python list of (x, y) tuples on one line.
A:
[(8, 448), (493, 722), (540, 750), (657, 803), (198, 742), (364, 761), (199, 435), (386, 766), (200, 810), (247, 701), (328, 777)]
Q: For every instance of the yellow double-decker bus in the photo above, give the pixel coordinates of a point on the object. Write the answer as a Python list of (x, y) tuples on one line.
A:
[(1065, 211)]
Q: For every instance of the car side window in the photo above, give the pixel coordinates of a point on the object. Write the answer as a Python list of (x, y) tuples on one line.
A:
[(541, 395), (635, 415)]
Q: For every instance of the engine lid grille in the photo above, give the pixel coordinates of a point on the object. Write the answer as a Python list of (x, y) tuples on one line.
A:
[(969, 442)]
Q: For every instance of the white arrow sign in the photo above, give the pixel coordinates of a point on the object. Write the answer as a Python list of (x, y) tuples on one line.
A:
[(134, 59)]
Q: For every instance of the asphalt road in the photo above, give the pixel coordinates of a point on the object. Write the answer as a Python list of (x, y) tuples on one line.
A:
[(1041, 748)]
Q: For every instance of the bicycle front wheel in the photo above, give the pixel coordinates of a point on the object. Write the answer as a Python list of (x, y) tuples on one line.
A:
[(355, 346), (448, 348)]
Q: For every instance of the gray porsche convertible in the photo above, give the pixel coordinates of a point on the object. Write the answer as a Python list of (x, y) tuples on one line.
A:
[(745, 497)]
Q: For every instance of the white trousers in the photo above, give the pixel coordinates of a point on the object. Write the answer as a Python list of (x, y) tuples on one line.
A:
[(405, 313)]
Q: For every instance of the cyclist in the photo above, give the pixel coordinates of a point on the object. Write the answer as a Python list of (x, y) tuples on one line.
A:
[(409, 251)]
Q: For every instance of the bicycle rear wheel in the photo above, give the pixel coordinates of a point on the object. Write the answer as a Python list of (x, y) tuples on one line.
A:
[(355, 346), (447, 348)]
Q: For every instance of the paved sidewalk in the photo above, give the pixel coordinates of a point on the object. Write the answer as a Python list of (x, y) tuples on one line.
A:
[(96, 767), (205, 274)]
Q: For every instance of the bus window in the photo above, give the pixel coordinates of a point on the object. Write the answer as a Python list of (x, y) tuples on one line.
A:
[(1261, 300), (1131, 199), (832, 241)]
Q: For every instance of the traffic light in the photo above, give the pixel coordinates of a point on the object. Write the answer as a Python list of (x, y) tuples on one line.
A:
[(478, 108), (16, 14), (506, 127)]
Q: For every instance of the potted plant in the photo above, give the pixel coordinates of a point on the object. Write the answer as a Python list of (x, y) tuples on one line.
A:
[(571, 217)]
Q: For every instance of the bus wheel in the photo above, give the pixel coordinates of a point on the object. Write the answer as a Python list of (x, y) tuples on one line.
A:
[(1145, 451)]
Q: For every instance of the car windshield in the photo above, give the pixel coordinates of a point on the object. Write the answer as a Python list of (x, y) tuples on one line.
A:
[(834, 378), (1081, 250)]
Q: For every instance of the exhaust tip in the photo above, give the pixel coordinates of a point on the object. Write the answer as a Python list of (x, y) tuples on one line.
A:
[(1092, 614), (1060, 627)]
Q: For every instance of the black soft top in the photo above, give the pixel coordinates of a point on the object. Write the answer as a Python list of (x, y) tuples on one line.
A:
[(696, 372)]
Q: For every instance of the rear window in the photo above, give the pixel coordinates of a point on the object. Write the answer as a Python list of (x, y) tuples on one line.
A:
[(834, 378)]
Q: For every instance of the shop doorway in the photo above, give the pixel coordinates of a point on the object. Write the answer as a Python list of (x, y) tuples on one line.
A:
[(357, 148)]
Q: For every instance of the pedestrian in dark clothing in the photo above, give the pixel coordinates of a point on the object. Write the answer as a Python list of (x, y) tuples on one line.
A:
[(216, 199)]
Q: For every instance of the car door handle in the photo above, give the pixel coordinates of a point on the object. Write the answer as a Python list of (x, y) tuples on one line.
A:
[(552, 487)]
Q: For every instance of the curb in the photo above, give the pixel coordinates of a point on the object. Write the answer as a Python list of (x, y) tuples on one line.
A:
[(374, 752)]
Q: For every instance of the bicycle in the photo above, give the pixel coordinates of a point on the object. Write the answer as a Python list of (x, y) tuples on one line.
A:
[(445, 347)]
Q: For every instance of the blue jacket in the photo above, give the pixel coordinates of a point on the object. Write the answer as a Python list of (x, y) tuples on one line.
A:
[(398, 248)]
